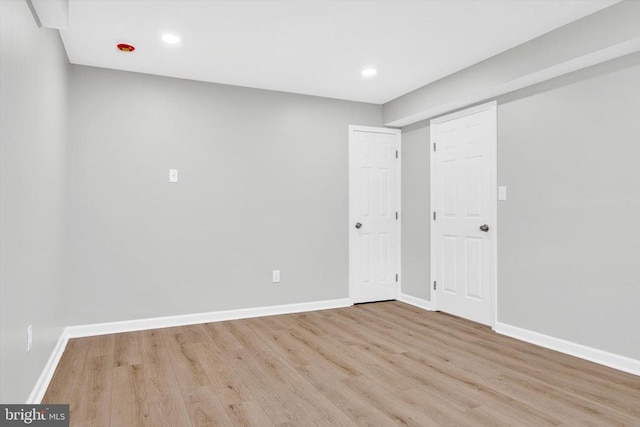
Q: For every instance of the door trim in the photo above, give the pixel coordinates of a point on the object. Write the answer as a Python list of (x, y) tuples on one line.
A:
[(493, 107), (352, 219)]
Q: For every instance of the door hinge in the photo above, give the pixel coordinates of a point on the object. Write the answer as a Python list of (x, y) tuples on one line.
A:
[(396, 277), (396, 215), (434, 146), (396, 154), (434, 215), (435, 285)]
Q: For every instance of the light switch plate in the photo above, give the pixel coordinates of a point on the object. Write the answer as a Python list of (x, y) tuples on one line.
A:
[(502, 192), (173, 175), (276, 276)]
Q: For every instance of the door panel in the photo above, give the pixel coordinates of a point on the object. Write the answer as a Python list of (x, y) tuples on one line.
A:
[(450, 264), (463, 187), (473, 251), (374, 199)]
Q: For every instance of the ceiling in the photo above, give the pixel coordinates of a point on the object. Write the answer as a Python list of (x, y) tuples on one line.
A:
[(310, 47)]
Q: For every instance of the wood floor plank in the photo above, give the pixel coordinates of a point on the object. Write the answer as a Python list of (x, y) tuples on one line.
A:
[(96, 382), (329, 355), (69, 369), (127, 351), (355, 406), (348, 335), (246, 414), (222, 337), (385, 399), (287, 383), (283, 344), (588, 400), (518, 350), (129, 405), (189, 333), (377, 364), (165, 401), (187, 367), (226, 385), (204, 408), (277, 402)]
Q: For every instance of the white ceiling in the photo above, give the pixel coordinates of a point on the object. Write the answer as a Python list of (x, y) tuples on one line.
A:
[(310, 47)]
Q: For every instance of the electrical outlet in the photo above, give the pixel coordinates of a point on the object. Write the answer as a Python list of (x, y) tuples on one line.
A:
[(29, 337), (276, 276)]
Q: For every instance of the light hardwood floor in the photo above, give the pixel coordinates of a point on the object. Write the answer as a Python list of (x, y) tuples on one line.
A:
[(377, 364)]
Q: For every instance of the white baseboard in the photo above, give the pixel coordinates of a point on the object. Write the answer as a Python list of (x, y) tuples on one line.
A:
[(602, 357), (612, 360), (192, 319), (165, 322), (418, 302), (49, 369)]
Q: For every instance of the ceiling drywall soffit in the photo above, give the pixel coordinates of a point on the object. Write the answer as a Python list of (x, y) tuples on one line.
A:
[(50, 13), (600, 37)]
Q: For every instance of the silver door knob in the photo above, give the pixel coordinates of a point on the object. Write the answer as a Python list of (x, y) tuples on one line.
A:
[(484, 228), (358, 225)]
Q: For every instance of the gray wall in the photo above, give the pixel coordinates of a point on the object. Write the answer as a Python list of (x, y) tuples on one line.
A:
[(33, 113), (569, 151), (263, 186), (415, 211)]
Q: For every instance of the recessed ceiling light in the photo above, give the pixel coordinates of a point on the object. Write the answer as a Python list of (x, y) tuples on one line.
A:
[(171, 38), (369, 72)]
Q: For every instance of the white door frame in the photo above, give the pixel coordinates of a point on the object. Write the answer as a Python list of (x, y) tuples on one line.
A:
[(353, 219), (493, 107)]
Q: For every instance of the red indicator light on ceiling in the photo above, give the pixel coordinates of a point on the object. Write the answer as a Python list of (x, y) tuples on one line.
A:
[(126, 47)]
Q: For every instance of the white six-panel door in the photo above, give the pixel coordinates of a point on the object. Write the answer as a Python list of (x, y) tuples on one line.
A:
[(374, 200), (463, 199)]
